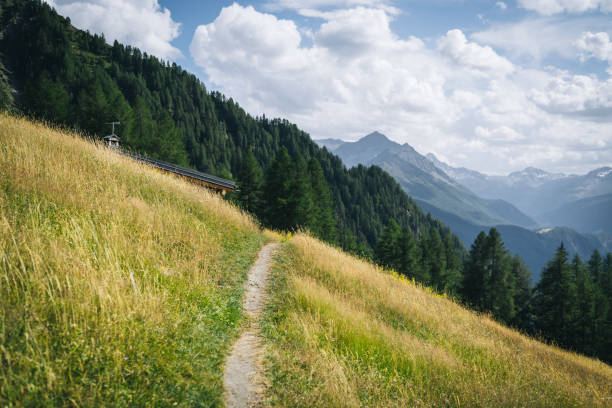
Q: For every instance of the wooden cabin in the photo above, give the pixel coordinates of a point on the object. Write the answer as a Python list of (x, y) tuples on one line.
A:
[(217, 184)]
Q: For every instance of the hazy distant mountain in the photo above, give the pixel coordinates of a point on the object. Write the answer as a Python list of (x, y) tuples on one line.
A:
[(550, 198), (330, 144), (422, 180), (365, 149), (591, 214), (536, 247)]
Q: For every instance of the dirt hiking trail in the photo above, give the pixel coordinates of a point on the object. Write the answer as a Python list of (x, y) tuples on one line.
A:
[(242, 378)]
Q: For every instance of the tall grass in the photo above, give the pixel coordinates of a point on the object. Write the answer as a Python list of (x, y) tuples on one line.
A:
[(119, 286), (344, 333)]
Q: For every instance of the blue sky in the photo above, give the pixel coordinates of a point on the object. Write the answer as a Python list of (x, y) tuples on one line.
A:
[(490, 85)]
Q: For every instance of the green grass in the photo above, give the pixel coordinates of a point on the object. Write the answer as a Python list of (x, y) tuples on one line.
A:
[(341, 332), (119, 286)]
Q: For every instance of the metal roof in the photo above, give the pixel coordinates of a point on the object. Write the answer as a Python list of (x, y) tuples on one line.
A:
[(184, 171)]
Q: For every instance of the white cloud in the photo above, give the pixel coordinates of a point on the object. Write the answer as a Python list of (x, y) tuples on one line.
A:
[(472, 55), (576, 94), (595, 45), (460, 99), (534, 39), (501, 5), (141, 23), (503, 134), (549, 7)]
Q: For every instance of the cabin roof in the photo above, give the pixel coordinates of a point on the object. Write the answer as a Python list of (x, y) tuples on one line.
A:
[(221, 183)]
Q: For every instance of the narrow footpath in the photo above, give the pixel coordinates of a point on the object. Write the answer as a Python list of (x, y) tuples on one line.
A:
[(242, 378)]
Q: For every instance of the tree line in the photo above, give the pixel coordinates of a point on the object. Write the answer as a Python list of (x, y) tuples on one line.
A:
[(571, 305)]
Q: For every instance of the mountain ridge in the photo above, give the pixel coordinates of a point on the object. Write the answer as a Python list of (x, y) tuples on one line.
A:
[(550, 198), (420, 178)]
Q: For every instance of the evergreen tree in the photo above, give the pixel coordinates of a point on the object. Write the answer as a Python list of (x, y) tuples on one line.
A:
[(407, 262), (554, 300), (475, 275), (324, 220), (277, 192), (6, 93), (595, 267), (434, 259), (454, 272), (250, 183), (300, 196), (499, 286), (604, 336), (387, 250), (47, 99), (523, 318), (585, 308)]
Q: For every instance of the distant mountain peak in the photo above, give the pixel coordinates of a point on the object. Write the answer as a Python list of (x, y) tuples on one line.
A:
[(375, 136)]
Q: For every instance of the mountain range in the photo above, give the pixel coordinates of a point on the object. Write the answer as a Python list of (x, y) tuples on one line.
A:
[(424, 181), (582, 202), (534, 210)]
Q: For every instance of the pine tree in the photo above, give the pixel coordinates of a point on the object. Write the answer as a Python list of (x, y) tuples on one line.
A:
[(454, 273), (500, 285), (387, 249), (407, 262), (300, 197), (279, 196), (475, 276), (523, 291), (435, 260), (324, 220), (6, 93), (554, 299), (250, 183), (595, 266), (585, 308), (604, 347)]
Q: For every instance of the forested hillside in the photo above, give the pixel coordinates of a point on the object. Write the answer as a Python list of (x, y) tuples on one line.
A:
[(70, 77)]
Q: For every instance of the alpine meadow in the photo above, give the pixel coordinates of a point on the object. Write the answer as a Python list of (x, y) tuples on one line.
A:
[(163, 245)]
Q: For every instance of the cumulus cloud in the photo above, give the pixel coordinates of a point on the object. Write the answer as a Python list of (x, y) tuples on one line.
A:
[(595, 45), (549, 7), (456, 46), (141, 23), (458, 98), (576, 94)]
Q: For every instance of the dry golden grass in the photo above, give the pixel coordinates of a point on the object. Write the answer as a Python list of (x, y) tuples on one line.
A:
[(343, 332), (119, 285)]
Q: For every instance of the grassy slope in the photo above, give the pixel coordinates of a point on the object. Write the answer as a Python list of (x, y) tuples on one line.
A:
[(121, 286), (118, 285), (343, 333)]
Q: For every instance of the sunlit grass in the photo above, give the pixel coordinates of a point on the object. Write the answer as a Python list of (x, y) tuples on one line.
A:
[(119, 285), (342, 332)]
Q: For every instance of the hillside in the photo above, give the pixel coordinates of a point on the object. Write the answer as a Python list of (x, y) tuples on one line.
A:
[(344, 333), (423, 181), (534, 246), (122, 286), (70, 77), (591, 214)]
